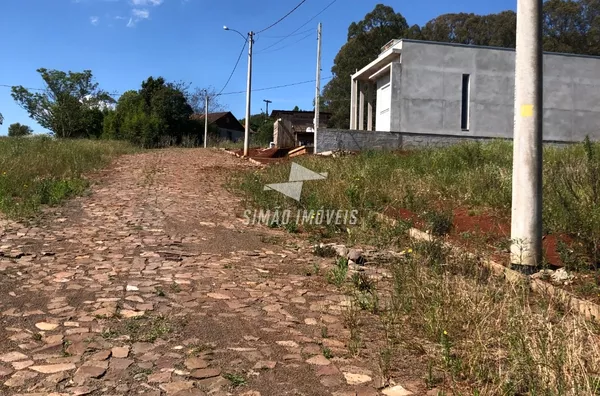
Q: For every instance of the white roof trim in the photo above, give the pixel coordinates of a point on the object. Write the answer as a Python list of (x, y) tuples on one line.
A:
[(378, 73), (385, 58)]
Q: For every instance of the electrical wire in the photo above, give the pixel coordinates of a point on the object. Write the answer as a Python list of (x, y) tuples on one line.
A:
[(290, 35), (234, 68), (277, 86), (222, 94), (311, 34), (282, 18), (46, 89), (300, 27)]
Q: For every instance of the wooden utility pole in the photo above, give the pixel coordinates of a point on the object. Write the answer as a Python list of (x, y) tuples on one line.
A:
[(267, 109)]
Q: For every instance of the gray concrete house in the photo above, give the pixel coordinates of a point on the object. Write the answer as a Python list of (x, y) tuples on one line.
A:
[(431, 88)]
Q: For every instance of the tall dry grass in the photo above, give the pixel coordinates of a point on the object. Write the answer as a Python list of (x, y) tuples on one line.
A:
[(431, 182), (487, 335), (41, 170)]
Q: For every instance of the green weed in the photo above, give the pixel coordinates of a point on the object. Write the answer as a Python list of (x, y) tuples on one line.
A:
[(40, 171)]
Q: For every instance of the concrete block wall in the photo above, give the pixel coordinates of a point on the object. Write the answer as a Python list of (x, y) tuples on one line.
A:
[(430, 94), (342, 139)]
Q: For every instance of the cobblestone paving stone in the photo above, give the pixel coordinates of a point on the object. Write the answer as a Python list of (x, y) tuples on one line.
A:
[(152, 284)]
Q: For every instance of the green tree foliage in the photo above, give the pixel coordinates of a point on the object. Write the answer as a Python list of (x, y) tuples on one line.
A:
[(196, 99), (498, 30), (365, 39), (264, 134), (157, 113), (70, 106), (571, 26), (19, 130), (256, 121)]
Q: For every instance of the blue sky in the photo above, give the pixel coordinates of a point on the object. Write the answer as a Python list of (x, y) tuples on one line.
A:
[(125, 41)]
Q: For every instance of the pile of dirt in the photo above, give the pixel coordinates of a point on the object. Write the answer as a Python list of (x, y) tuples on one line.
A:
[(257, 153)]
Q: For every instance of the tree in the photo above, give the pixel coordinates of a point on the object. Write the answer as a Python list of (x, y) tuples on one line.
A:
[(197, 98), (158, 111), (19, 130), (264, 134), (365, 39), (68, 106), (256, 121), (497, 30)]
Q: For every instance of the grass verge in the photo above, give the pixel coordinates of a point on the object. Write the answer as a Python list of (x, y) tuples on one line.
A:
[(44, 171), (431, 183), (486, 335)]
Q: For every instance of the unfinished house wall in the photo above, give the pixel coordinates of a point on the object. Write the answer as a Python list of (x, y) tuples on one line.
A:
[(353, 140), (435, 76)]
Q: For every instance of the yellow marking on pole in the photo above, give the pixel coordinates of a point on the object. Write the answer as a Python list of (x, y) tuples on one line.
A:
[(527, 110)]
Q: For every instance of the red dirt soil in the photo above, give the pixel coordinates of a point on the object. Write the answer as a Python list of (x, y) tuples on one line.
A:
[(265, 155), (493, 228)]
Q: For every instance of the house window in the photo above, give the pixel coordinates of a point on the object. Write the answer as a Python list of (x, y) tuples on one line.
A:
[(466, 99)]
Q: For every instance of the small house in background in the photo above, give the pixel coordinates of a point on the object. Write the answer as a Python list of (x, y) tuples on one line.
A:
[(227, 125), (296, 128)]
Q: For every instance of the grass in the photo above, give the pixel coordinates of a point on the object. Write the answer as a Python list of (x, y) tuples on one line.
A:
[(337, 275), (236, 380), (474, 333), (44, 171), (431, 183), (494, 336)]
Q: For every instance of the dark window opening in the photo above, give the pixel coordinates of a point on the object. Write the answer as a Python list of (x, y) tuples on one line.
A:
[(466, 98)]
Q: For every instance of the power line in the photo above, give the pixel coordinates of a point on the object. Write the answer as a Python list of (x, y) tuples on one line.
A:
[(234, 67), (276, 87), (46, 89), (288, 45), (290, 35), (282, 18), (222, 94), (300, 27)]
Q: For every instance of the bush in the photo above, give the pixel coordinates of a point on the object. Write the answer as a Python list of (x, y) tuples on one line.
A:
[(572, 185), (19, 130)]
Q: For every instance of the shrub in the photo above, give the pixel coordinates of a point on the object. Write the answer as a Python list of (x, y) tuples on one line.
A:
[(573, 195)]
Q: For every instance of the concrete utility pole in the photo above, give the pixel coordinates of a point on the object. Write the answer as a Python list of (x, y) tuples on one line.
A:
[(205, 117), (267, 109), (248, 94), (526, 221), (318, 88), (250, 41)]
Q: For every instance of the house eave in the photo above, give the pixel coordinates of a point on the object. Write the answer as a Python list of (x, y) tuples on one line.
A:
[(389, 56)]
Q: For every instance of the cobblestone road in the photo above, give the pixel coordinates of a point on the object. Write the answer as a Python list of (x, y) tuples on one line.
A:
[(152, 284)]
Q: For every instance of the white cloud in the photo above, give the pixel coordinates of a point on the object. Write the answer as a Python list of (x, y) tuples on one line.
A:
[(138, 14), (94, 20), (141, 14), (145, 3)]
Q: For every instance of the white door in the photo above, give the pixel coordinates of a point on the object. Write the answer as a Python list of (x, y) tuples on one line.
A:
[(384, 101)]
